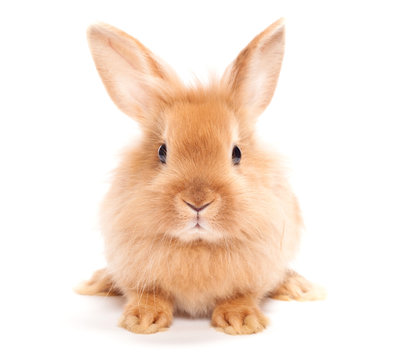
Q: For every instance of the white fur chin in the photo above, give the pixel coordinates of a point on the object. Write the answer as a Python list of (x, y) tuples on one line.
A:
[(198, 234)]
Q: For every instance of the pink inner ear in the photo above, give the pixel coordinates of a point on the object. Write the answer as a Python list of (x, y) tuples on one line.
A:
[(253, 76), (132, 75)]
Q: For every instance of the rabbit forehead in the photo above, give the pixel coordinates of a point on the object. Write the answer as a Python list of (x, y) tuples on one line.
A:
[(210, 120)]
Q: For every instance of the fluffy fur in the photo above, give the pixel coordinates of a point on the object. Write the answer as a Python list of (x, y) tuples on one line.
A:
[(164, 256)]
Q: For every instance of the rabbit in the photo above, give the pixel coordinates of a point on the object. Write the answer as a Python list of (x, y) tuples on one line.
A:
[(200, 218)]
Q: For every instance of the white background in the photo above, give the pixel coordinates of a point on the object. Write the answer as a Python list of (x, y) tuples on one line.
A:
[(340, 115)]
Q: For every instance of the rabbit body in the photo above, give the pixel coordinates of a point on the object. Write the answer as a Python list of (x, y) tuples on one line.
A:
[(200, 217)]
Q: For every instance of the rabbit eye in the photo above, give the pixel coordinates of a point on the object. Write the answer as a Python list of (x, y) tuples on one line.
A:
[(162, 153), (236, 155)]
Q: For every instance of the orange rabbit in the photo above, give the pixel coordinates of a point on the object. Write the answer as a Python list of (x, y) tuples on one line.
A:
[(200, 218)]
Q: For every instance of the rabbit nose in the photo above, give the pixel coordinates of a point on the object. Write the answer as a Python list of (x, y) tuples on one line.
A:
[(195, 208)]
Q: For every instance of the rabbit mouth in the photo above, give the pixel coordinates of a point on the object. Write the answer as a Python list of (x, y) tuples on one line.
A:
[(198, 230), (198, 226)]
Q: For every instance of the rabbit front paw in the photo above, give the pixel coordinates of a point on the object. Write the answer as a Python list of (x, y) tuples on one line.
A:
[(146, 314), (145, 322), (238, 318)]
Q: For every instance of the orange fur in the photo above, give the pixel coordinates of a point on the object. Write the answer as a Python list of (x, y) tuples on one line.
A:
[(251, 229)]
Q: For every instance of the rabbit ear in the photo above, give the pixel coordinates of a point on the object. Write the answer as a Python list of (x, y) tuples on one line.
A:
[(132, 75), (252, 77)]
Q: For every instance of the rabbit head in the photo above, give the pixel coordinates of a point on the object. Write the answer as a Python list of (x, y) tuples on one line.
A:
[(198, 172)]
